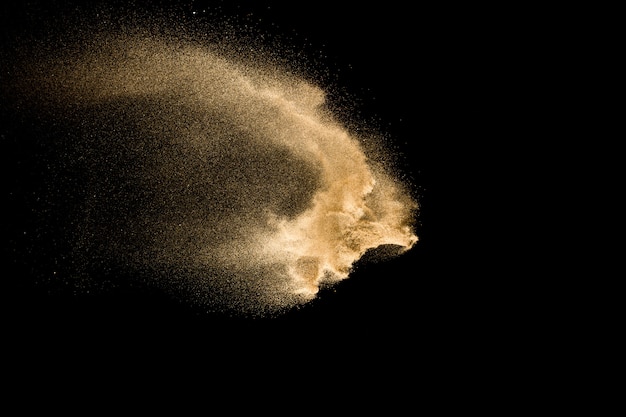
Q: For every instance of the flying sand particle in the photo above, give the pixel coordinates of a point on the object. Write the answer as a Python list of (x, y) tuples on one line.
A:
[(226, 182)]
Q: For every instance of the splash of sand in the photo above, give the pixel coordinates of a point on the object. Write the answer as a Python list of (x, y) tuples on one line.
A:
[(233, 177)]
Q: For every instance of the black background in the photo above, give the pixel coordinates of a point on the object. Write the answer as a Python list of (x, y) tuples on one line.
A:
[(413, 71), (470, 96)]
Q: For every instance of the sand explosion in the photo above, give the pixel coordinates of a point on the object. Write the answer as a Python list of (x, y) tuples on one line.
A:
[(228, 182)]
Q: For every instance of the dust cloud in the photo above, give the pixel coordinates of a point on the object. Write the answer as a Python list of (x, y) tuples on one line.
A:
[(227, 182)]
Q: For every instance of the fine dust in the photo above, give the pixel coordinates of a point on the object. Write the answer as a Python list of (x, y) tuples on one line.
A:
[(226, 182)]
